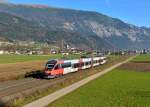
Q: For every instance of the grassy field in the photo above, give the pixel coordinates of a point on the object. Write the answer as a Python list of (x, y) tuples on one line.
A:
[(4, 59), (140, 58), (22, 58), (119, 88)]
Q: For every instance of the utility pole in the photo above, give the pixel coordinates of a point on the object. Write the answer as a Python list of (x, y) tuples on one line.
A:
[(62, 45)]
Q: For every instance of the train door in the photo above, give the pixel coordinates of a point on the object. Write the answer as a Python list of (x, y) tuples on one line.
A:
[(67, 67), (57, 70), (75, 65)]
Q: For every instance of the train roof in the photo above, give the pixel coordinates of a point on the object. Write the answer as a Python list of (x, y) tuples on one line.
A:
[(52, 60), (56, 60)]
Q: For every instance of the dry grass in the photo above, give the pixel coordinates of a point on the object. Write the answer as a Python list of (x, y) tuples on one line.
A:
[(133, 66), (18, 70)]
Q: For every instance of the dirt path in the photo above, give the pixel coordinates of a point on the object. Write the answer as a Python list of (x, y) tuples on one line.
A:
[(56, 95)]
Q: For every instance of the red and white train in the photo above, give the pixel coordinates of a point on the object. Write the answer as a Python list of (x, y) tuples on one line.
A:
[(55, 68)]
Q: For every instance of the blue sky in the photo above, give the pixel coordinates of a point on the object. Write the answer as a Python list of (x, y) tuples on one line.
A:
[(135, 12)]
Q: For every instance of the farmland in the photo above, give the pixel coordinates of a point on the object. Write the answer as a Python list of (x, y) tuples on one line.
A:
[(123, 87), (4, 59), (142, 58), (16, 66)]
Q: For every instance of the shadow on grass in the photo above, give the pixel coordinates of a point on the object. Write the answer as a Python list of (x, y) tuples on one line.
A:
[(2, 104), (35, 74)]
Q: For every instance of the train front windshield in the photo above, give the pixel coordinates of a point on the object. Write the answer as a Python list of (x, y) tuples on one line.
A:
[(50, 65)]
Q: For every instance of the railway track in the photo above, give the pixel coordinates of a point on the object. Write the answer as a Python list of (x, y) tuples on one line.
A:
[(20, 88)]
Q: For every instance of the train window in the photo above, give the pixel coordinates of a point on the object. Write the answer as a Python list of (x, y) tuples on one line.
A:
[(50, 66), (66, 65), (86, 63), (99, 61), (57, 67), (76, 65), (90, 63)]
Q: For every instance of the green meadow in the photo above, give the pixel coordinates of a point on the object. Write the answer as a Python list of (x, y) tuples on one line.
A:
[(118, 88), (4, 59), (141, 58)]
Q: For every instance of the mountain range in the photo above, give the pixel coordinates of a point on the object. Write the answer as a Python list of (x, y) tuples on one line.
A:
[(81, 29)]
